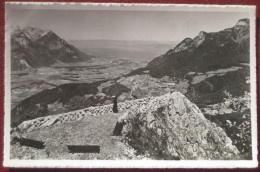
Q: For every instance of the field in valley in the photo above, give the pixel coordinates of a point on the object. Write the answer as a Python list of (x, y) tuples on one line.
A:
[(112, 59)]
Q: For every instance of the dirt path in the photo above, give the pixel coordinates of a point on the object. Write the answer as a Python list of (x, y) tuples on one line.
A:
[(87, 131)]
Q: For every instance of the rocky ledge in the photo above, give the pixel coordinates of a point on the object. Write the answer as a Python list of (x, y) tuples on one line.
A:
[(174, 130), (163, 127)]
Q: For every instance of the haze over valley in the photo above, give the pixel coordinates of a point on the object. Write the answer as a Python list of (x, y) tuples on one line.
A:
[(106, 59)]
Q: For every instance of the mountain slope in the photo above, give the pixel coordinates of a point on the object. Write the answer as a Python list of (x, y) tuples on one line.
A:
[(164, 127), (207, 51), (34, 47)]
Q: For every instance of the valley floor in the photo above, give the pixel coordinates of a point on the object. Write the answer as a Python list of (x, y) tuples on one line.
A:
[(97, 130)]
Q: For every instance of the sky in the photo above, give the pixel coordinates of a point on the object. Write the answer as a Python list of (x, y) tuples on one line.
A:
[(125, 25)]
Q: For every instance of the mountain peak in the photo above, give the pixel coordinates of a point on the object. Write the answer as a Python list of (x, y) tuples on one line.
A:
[(202, 33), (187, 39), (200, 38), (30, 32), (188, 43), (36, 47), (241, 30), (34, 33), (184, 45), (243, 22)]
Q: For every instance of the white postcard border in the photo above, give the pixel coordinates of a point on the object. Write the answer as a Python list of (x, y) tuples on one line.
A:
[(133, 163)]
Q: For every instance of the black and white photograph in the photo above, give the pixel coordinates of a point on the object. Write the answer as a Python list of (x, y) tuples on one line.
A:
[(135, 85)]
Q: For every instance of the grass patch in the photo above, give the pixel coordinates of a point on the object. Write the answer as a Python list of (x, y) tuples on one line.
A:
[(211, 90), (115, 89)]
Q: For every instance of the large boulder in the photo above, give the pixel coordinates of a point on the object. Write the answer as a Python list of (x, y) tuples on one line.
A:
[(171, 127)]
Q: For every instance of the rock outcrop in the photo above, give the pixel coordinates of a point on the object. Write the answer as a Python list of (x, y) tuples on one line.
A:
[(171, 127)]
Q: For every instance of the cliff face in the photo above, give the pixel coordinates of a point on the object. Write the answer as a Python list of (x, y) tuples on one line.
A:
[(207, 51), (34, 47)]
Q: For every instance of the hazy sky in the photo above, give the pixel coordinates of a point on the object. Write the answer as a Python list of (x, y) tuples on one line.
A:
[(125, 25)]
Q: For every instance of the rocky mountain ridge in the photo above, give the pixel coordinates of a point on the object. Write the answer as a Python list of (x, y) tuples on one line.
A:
[(207, 51), (33, 47)]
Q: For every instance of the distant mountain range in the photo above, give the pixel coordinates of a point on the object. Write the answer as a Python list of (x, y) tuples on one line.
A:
[(33, 47), (207, 51)]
